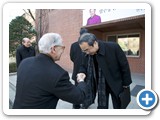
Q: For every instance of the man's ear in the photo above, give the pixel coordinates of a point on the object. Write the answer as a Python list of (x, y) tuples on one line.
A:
[(95, 43)]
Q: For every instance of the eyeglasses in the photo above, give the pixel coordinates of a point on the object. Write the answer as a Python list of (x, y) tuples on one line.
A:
[(63, 47), (86, 50)]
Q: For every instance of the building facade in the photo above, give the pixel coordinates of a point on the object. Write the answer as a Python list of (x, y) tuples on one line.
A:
[(128, 32)]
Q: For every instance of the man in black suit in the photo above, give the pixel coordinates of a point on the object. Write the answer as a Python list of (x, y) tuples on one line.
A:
[(76, 58), (41, 82), (110, 67), (24, 51)]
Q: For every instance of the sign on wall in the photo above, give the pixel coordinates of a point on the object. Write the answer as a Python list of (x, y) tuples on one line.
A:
[(96, 16)]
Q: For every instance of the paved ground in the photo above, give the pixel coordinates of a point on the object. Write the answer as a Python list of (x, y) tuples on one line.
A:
[(138, 83)]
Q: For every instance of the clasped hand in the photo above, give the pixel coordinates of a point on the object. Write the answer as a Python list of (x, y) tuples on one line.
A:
[(80, 77)]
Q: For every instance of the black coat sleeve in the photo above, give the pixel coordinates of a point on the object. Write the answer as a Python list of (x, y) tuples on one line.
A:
[(124, 66), (34, 52), (72, 52), (18, 57), (66, 91), (84, 64)]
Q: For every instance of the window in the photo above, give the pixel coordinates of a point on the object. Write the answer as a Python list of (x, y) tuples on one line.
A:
[(130, 44)]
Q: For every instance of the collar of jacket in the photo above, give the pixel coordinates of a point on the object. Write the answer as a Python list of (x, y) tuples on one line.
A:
[(26, 47), (45, 56), (102, 46)]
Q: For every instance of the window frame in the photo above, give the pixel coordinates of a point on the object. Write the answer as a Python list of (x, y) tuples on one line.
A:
[(128, 34)]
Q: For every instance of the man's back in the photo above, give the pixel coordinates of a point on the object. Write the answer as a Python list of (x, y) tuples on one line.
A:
[(41, 82), (76, 57)]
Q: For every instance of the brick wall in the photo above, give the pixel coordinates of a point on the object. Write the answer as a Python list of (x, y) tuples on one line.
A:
[(68, 23), (137, 64)]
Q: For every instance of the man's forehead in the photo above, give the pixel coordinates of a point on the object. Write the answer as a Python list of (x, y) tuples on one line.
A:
[(84, 45), (26, 39)]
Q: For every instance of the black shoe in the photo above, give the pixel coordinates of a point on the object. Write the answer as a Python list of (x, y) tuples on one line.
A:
[(76, 106), (84, 107)]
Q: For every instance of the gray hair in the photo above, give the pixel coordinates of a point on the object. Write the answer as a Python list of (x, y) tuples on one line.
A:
[(49, 40), (87, 37)]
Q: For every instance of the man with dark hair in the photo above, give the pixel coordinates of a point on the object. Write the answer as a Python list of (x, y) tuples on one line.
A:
[(108, 64), (24, 51), (75, 56)]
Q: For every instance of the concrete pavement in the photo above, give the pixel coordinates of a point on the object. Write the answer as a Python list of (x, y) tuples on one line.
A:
[(137, 84)]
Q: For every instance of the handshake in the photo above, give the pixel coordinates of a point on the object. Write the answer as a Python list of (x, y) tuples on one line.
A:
[(80, 77)]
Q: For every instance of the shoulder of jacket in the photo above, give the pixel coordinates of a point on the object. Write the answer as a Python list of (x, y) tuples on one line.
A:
[(112, 43), (75, 43), (19, 47), (58, 67), (32, 47)]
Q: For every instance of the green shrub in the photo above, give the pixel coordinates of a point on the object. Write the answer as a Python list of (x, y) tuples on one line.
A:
[(12, 67)]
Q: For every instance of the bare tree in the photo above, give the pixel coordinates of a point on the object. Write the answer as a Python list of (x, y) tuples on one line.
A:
[(29, 13)]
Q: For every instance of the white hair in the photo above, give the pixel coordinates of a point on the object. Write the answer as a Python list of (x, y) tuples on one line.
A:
[(49, 40)]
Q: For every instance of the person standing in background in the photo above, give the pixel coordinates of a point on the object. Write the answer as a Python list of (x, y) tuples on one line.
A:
[(76, 58), (24, 51)]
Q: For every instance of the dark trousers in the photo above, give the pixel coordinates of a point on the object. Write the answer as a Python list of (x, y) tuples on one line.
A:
[(76, 106), (115, 99)]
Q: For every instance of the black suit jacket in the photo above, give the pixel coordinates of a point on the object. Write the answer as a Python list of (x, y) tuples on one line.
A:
[(41, 83), (23, 52), (76, 57), (113, 62)]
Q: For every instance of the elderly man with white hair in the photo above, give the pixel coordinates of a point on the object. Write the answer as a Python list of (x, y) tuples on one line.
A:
[(41, 82)]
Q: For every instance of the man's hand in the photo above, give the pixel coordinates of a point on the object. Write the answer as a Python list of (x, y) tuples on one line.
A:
[(80, 77)]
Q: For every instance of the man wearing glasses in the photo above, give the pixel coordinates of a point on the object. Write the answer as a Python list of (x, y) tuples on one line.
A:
[(41, 82), (108, 65)]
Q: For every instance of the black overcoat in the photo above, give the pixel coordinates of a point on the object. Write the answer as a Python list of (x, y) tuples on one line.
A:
[(41, 83), (23, 52), (76, 58), (113, 62)]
